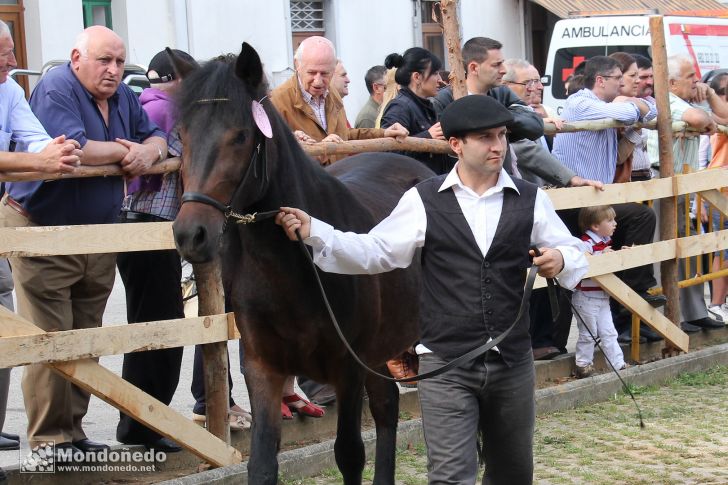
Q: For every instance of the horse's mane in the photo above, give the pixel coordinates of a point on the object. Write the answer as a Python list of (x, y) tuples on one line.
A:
[(215, 80)]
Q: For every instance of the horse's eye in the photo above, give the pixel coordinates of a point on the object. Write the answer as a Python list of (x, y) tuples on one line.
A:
[(239, 138)]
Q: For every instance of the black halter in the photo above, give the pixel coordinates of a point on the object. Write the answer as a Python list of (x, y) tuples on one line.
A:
[(257, 158)]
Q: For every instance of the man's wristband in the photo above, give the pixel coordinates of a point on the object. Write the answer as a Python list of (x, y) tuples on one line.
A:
[(161, 157)]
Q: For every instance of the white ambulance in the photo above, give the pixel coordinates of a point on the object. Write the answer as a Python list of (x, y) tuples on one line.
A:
[(574, 40)]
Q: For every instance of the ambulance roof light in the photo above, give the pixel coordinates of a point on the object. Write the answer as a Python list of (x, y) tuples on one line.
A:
[(603, 13)]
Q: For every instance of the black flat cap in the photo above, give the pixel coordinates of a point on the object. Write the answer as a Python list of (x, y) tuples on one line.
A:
[(473, 113)]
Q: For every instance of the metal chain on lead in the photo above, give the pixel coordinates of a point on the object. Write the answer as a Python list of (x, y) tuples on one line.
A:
[(241, 218)]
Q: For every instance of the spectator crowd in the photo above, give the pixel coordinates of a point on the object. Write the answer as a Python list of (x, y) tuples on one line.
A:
[(82, 114)]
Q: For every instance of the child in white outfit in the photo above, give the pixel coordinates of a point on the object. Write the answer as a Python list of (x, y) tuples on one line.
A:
[(598, 225)]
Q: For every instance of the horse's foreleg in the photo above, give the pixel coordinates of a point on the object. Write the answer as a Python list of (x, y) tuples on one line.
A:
[(264, 389), (349, 447), (384, 406)]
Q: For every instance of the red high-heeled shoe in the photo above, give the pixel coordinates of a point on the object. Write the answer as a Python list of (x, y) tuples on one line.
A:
[(297, 404), (285, 411)]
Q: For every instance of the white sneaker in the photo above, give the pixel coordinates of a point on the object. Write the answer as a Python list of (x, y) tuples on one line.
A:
[(719, 312)]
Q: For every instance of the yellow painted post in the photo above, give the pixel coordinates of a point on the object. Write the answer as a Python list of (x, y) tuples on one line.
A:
[(635, 347)]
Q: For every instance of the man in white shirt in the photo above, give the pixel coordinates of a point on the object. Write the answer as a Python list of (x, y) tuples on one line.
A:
[(476, 225)]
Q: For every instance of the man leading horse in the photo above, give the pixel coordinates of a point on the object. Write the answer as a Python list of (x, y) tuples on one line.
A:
[(476, 227)]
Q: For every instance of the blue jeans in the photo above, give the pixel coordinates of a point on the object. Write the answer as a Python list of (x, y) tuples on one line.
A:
[(483, 394)]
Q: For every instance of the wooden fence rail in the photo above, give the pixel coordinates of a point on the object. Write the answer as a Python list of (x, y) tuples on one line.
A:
[(411, 144)]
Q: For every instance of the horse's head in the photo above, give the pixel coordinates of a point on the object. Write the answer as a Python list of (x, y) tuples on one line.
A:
[(220, 123)]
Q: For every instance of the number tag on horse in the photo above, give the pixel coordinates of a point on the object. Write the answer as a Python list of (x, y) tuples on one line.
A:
[(261, 119)]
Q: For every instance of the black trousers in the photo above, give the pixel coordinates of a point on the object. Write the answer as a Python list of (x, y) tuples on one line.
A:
[(635, 225), (485, 394), (153, 292), (544, 331), (198, 380)]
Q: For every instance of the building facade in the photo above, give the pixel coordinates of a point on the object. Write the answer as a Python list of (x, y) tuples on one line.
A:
[(364, 32)]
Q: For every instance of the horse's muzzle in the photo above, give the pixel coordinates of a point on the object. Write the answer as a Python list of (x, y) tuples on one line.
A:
[(197, 233)]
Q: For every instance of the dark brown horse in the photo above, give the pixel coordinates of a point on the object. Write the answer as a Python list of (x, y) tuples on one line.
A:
[(284, 325)]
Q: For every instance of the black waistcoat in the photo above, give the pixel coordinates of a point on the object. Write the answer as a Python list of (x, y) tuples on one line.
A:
[(466, 297)]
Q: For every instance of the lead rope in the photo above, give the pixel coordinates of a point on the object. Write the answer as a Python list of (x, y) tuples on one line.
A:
[(530, 280), (468, 356)]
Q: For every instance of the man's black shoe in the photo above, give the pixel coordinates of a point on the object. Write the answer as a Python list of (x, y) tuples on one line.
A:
[(707, 322), (654, 300), (3, 476), (10, 436), (64, 452), (649, 334), (626, 337), (86, 445), (164, 444), (689, 328), (8, 444)]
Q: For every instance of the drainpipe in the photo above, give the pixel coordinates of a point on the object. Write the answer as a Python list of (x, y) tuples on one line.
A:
[(181, 28), (416, 24)]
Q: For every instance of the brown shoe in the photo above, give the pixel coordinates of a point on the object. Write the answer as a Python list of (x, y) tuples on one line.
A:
[(404, 366), (545, 353)]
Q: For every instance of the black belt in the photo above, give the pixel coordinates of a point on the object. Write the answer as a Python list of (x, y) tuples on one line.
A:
[(131, 216)]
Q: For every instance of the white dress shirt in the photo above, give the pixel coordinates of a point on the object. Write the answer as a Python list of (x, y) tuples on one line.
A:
[(393, 242), (17, 121)]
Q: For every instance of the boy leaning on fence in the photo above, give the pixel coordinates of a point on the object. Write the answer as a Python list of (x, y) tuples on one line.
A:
[(597, 225)]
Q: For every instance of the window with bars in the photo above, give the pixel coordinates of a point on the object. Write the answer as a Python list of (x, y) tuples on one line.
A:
[(307, 16), (97, 12)]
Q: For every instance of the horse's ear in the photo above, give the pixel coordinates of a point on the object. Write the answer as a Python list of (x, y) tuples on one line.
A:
[(182, 67), (248, 66)]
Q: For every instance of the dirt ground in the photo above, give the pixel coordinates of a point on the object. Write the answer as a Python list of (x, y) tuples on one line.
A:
[(685, 440)]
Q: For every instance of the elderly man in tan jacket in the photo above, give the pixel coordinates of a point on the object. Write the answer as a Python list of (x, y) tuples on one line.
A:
[(312, 110)]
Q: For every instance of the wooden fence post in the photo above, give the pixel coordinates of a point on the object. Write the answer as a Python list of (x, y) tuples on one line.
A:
[(211, 300), (668, 268), (451, 30)]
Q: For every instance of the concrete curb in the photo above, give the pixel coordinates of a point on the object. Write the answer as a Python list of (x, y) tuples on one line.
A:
[(301, 462), (313, 459), (601, 387)]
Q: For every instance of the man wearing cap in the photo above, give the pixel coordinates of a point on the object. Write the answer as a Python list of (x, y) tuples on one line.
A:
[(152, 278), (85, 100), (477, 225)]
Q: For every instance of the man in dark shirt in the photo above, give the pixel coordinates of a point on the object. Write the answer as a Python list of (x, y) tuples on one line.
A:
[(484, 71), (86, 101), (376, 84)]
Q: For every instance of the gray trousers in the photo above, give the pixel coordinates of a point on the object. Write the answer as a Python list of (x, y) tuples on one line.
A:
[(485, 394), (692, 298), (6, 300)]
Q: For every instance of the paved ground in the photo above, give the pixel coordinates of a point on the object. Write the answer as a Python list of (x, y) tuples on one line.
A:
[(684, 441)]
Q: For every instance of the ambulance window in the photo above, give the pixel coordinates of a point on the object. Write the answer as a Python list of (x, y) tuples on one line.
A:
[(565, 60)]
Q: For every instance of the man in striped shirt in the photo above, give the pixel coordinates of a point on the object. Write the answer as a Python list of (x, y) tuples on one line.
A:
[(593, 155)]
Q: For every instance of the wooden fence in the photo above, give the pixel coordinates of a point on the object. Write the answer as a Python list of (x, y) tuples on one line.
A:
[(70, 352)]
